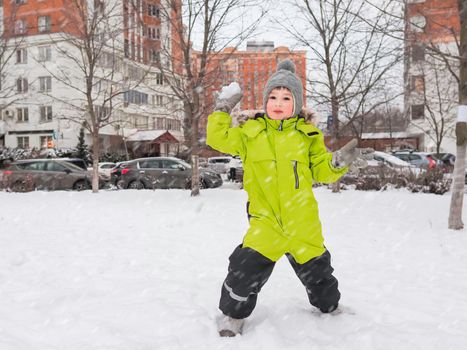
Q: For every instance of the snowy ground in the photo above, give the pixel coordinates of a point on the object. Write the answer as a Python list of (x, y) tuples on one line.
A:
[(142, 270)]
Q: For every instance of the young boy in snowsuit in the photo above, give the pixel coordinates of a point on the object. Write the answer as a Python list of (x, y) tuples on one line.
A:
[(282, 155)]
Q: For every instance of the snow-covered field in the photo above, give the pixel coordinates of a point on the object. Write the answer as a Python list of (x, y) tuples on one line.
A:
[(142, 270)]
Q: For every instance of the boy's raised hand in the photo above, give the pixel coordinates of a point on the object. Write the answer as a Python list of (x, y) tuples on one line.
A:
[(228, 97), (350, 155)]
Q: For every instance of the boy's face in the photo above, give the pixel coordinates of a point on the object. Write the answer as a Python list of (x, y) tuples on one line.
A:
[(280, 104)]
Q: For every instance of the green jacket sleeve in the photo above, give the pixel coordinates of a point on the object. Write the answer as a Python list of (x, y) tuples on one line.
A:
[(321, 162), (222, 137)]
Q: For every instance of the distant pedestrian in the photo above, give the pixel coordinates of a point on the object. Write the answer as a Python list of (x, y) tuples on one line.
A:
[(233, 165)]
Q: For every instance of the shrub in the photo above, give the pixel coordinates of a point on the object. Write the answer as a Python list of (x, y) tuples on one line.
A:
[(383, 177)]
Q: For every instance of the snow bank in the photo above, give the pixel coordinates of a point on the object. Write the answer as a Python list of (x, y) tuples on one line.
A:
[(142, 270)]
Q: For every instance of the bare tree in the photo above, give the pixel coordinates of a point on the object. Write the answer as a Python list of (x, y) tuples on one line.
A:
[(200, 29), (95, 68), (432, 88), (352, 55), (455, 213)]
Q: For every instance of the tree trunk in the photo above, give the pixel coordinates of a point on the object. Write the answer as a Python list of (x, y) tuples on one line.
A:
[(457, 198), (194, 157), (95, 161), (336, 186)]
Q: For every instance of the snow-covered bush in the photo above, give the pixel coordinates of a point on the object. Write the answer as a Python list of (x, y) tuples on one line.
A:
[(383, 177), (34, 153), (431, 181)]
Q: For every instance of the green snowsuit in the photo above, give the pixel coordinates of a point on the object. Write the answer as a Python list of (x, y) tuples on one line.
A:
[(281, 159)]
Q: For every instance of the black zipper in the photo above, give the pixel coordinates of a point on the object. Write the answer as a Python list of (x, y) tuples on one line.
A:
[(280, 125), (297, 184)]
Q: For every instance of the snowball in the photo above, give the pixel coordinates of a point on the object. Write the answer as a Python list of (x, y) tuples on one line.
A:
[(229, 91)]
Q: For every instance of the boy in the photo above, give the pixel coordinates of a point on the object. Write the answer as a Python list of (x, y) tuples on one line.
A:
[(282, 155)]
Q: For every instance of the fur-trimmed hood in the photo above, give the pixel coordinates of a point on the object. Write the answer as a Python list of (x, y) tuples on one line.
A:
[(240, 117)]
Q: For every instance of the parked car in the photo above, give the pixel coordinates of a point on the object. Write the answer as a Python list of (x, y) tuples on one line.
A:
[(163, 172), (447, 161), (104, 168), (76, 161), (419, 159), (4, 163), (390, 160), (219, 164), (384, 168), (46, 174), (116, 173)]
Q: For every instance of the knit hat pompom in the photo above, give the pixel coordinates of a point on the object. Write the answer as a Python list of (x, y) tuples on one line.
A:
[(286, 65), (285, 77)]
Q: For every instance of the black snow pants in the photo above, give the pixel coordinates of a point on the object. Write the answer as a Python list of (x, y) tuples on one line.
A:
[(249, 271)]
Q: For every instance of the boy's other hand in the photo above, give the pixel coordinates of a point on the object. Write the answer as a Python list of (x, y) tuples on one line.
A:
[(346, 155), (228, 97), (350, 155)]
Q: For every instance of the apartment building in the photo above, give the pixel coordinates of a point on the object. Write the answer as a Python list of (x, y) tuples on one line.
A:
[(251, 68), (431, 89), (41, 98)]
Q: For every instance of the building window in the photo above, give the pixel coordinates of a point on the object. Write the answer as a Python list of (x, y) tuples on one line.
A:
[(44, 24), (46, 142), (172, 124), (159, 100), (126, 48), (141, 122), (418, 112), (45, 84), (418, 83), (418, 52), (155, 56), (46, 113), (154, 33), (19, 2), (23, 115), (20, 26), (160, 123), (99, 6), (159, 79), (45, 53), (153, 10), (22, 85), (22, 142), (101, 113), (21, 56), (136, 97)]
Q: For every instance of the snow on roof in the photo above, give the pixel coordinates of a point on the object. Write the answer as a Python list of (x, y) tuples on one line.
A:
[(385, 135), (147, 135)]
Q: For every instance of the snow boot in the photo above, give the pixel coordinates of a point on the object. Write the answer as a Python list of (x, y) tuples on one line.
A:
[(229, 327)]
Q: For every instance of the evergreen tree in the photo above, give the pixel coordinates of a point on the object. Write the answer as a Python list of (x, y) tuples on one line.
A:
[(82, 149)]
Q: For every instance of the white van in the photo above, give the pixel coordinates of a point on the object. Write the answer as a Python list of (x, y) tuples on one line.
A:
[(219, 164)]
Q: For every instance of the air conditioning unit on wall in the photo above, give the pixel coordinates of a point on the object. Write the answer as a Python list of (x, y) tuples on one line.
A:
[(8, 114)]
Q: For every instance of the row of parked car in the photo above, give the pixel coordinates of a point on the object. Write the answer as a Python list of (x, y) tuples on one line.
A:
[(73, 174), (170, 172)]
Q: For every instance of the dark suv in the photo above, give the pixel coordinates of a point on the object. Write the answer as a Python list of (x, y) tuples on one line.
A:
[(46, 174), (163, 172)]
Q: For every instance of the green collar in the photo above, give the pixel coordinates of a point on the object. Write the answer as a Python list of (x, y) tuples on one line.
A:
[(254, 126)]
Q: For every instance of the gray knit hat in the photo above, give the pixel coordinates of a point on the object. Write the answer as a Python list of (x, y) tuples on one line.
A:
[(285, 77)]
